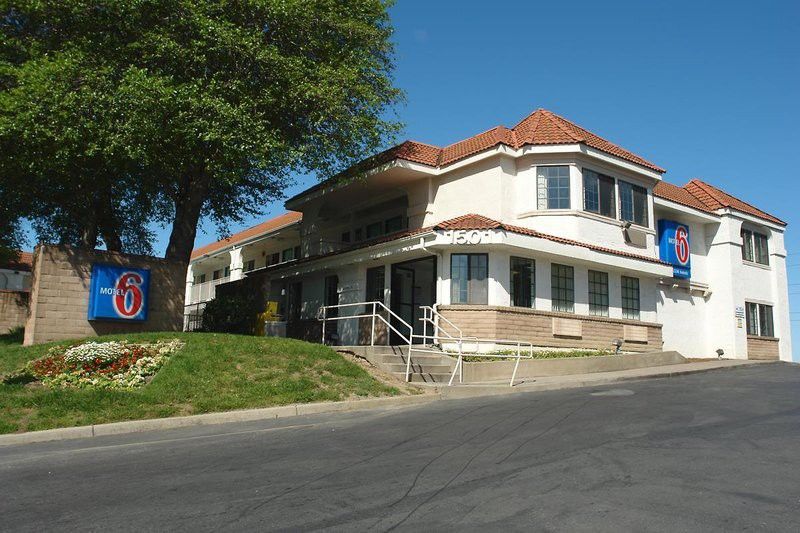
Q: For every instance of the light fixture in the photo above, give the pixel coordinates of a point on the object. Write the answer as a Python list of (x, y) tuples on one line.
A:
[(720, 353), (617, 344)]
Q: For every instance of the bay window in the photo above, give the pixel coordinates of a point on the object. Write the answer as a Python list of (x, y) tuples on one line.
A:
[(633, 203), (598, 194), (469, 278), (552, 187)]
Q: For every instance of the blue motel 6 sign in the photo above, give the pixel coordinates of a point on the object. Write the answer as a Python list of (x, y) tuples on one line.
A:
[(118, 293), (673, 247)]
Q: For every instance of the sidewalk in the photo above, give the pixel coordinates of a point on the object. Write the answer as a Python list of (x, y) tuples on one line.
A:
[(440, 392), (468, 390)]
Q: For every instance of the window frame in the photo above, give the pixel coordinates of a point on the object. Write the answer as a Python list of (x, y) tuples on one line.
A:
[(599, 177), (390, 223), (633, 189), (629, 312), (517, 300), (600, 308), (759, 320), (371, 226), (470, 296), (755, 247), (565, 304), (249, 265), (543, 187)]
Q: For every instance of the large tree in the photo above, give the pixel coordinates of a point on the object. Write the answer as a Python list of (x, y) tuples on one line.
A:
[(138, 110)]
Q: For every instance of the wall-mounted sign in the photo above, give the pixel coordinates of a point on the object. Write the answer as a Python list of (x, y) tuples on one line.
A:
[(673, 247), (118, 293)]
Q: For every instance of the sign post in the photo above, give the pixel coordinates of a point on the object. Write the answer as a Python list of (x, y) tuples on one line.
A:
[(118, 293)]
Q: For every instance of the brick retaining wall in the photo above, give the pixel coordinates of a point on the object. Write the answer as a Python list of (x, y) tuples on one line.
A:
[(762, 348), (59, 298), (537, 327), (13, 309)]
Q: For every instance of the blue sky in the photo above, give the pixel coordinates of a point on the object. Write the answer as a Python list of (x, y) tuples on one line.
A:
[(703, 89)]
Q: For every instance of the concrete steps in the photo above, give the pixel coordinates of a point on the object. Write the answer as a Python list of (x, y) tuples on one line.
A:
[(426, 367)]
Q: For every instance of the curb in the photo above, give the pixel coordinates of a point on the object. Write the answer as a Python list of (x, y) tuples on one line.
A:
[(244, 415), (286, 411)]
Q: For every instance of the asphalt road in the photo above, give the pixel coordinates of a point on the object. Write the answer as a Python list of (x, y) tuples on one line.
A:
[(718, 451)]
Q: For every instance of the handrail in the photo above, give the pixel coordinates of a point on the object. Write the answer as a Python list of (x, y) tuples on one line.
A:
[(432, 316), (323, 310)]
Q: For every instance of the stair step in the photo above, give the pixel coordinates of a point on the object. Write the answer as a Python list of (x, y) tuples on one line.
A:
[(418, 369), (415, 359), (428, 378)]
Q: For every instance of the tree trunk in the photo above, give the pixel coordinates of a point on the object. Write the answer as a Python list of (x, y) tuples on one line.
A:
[(112, 239), (188, 204), (89, 234)]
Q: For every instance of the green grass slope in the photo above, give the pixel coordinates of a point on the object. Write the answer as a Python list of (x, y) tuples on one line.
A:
[(213, 372)]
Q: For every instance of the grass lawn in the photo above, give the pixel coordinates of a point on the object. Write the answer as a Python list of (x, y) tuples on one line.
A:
[(213, 372)]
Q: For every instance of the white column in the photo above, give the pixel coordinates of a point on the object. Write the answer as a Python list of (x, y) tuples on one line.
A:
[(189, 284), (237, 263)]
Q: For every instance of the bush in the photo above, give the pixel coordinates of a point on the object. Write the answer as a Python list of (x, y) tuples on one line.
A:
[(232, 314)]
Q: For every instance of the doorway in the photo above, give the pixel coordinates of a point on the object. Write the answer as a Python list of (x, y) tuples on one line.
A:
[(413, 285)]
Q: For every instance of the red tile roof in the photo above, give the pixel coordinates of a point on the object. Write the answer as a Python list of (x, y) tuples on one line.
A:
[(23, 262), (479, 222), (704, 197), (718, 199), (541, 127), (470, 222), (267, 226)]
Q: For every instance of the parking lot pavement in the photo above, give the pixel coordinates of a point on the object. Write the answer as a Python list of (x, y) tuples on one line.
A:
[(703, 452)]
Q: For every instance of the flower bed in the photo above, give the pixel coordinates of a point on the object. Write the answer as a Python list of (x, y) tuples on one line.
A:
[(104, 365)]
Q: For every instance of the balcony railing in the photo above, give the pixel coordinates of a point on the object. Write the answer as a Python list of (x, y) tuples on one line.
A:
[(203, 292)]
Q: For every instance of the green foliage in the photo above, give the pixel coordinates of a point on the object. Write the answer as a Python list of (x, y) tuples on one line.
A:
[(117, 112), (213, 372), (228, 313)]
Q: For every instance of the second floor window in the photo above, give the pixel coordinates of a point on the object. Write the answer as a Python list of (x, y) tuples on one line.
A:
[(630, 298), (755, 247), (598, 194), (374, 230), (552, 187), (633, 203), (469, 278), (598, 293), (394, 224), (523, 282), (562, 281), (249, 265)]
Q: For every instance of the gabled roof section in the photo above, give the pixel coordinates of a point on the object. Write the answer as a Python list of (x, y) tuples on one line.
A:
[(715, 199), (273, 224), (541, 127), (709, 199), (480, 222), (545, 127)]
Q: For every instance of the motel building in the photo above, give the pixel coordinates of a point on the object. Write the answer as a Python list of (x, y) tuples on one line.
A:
[(544, 233)]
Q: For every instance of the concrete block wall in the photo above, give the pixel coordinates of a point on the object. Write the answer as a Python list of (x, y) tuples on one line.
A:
[(536, 327), (59, 297), (13, 310)]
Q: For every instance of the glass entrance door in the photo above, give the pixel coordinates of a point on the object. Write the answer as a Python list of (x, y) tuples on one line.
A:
[(413, 285)]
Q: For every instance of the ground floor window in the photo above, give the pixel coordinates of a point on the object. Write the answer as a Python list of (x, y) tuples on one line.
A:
[(759, 320), (630, 298), (469, 283), (523, 282), (598, 293), (562, 278), (376, 279)]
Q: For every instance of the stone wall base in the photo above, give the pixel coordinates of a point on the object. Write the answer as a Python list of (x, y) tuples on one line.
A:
[(549, 329)]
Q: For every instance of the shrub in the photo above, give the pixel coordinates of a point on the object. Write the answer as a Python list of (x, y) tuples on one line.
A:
[(232, 314)]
